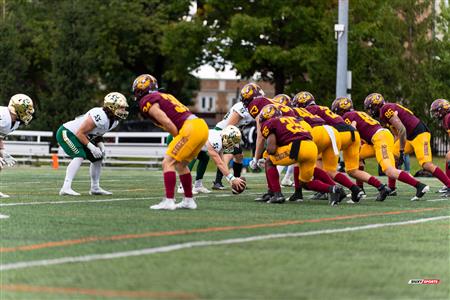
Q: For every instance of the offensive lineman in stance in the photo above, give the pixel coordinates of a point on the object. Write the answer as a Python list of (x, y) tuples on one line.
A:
[(379, 143), (190, 134), (414, 136), (20, 110), (82, 139), (440, 109)]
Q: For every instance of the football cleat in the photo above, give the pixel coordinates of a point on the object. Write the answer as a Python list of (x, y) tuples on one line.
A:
[(99, 191), (265, 197), (218, 186), (3, 195), (200, 189), (384, 191), (297, 196), (68, 192), (187, 203), (393, 192), (357, 194), (443, 190), (165, 204), (277, 198), (421, 189), (319, 196), (335, 195)]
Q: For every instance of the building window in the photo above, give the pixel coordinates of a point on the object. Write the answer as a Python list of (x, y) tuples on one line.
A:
[(207, 103)]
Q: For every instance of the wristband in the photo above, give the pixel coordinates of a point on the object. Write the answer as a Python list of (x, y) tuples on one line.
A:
[(230, 177)]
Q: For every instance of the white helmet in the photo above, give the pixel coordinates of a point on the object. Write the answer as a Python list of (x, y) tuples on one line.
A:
[(117, 104), (231, 136), (22, 106)]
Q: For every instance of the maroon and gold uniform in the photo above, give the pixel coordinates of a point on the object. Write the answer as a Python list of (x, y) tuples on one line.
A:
[(379, 142), (417, 134), (294, 145), (350, 140), (446, 123), (192, 131), (257, 104)]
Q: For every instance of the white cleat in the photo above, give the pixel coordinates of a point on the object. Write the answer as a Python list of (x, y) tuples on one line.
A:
[(68, 192), (99, 191), (200, 189), (3, 195), (180, 189), (165, 204), (187, 203)]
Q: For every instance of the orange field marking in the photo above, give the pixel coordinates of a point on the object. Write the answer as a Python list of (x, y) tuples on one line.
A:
[(203, 230), (92, 292)]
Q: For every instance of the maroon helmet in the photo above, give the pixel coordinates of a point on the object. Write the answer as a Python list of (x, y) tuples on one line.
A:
[(439, 108), (373, 104), (282, 99), (341, 105), (249, 92), (303, 99), (268, 112), (143, 84)]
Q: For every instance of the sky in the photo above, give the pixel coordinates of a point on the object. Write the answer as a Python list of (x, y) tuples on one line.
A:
[(208, 72)]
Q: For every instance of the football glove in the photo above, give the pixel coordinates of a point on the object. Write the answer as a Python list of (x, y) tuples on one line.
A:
[(261, 163), (96, 152), (2, 163), (7, 158), (253, 164), (101, 146)]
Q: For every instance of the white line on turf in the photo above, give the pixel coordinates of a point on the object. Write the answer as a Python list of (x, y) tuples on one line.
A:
[(3, 216), (174, 247)]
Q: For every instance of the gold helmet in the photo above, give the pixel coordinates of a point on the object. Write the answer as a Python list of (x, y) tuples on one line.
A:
[(231, 136), (22, 106), (144, 84), (117, 104)]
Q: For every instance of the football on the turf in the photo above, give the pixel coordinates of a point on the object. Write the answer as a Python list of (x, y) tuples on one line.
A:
[(236, 189)]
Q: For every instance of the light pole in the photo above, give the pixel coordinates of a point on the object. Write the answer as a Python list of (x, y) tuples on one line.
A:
[(341, 34)]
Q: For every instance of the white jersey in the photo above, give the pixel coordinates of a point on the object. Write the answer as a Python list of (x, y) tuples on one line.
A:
[(101, 121), (215, 139), (246, 118), (6, 126)]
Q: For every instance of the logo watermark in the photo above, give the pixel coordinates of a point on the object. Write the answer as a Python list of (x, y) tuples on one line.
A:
[(424, 281)]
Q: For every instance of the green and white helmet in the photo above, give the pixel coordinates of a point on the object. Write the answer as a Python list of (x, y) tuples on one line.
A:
[(231, 136)]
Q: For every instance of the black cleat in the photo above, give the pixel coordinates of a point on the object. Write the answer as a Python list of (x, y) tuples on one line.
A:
[(297, 196), (265, 197), (357, 193), (445, 192), (421, 189), (393, 192), (277, 198), (218, 186), (384, 191), (335, 195), (342, 195)]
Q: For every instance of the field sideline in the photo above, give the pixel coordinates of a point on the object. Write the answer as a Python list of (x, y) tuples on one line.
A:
[(115, 247)]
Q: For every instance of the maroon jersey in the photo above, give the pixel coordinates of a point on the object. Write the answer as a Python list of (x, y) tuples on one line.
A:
[(174, 109), (313, 120), (365, 124), (258, 103), (325, 113), (286, 130), (409, 120), (446, 123)]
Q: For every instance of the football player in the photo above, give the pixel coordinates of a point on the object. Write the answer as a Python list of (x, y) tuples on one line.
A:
[(379, 142), (220, 142), (82, 139), (350, 143), (237, 116), (190, 134), (440, 109), (19, 111), (414, 136), (287, 143)]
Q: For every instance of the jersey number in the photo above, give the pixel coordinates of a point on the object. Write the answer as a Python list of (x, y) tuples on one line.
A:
[(366, 118), (179, 107), (329, 113), (292, 125)]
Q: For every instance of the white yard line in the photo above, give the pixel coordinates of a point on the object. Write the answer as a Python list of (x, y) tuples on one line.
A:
[(174, 247), (3, 216)]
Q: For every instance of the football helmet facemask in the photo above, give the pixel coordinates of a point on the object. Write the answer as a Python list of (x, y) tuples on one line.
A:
[(268, 112), (282, 99), (143, 85), (231, 136), (117, 104), (373, 103), (439, 108), (303, 99), (249, 92), (22, 106), (341, 105)]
